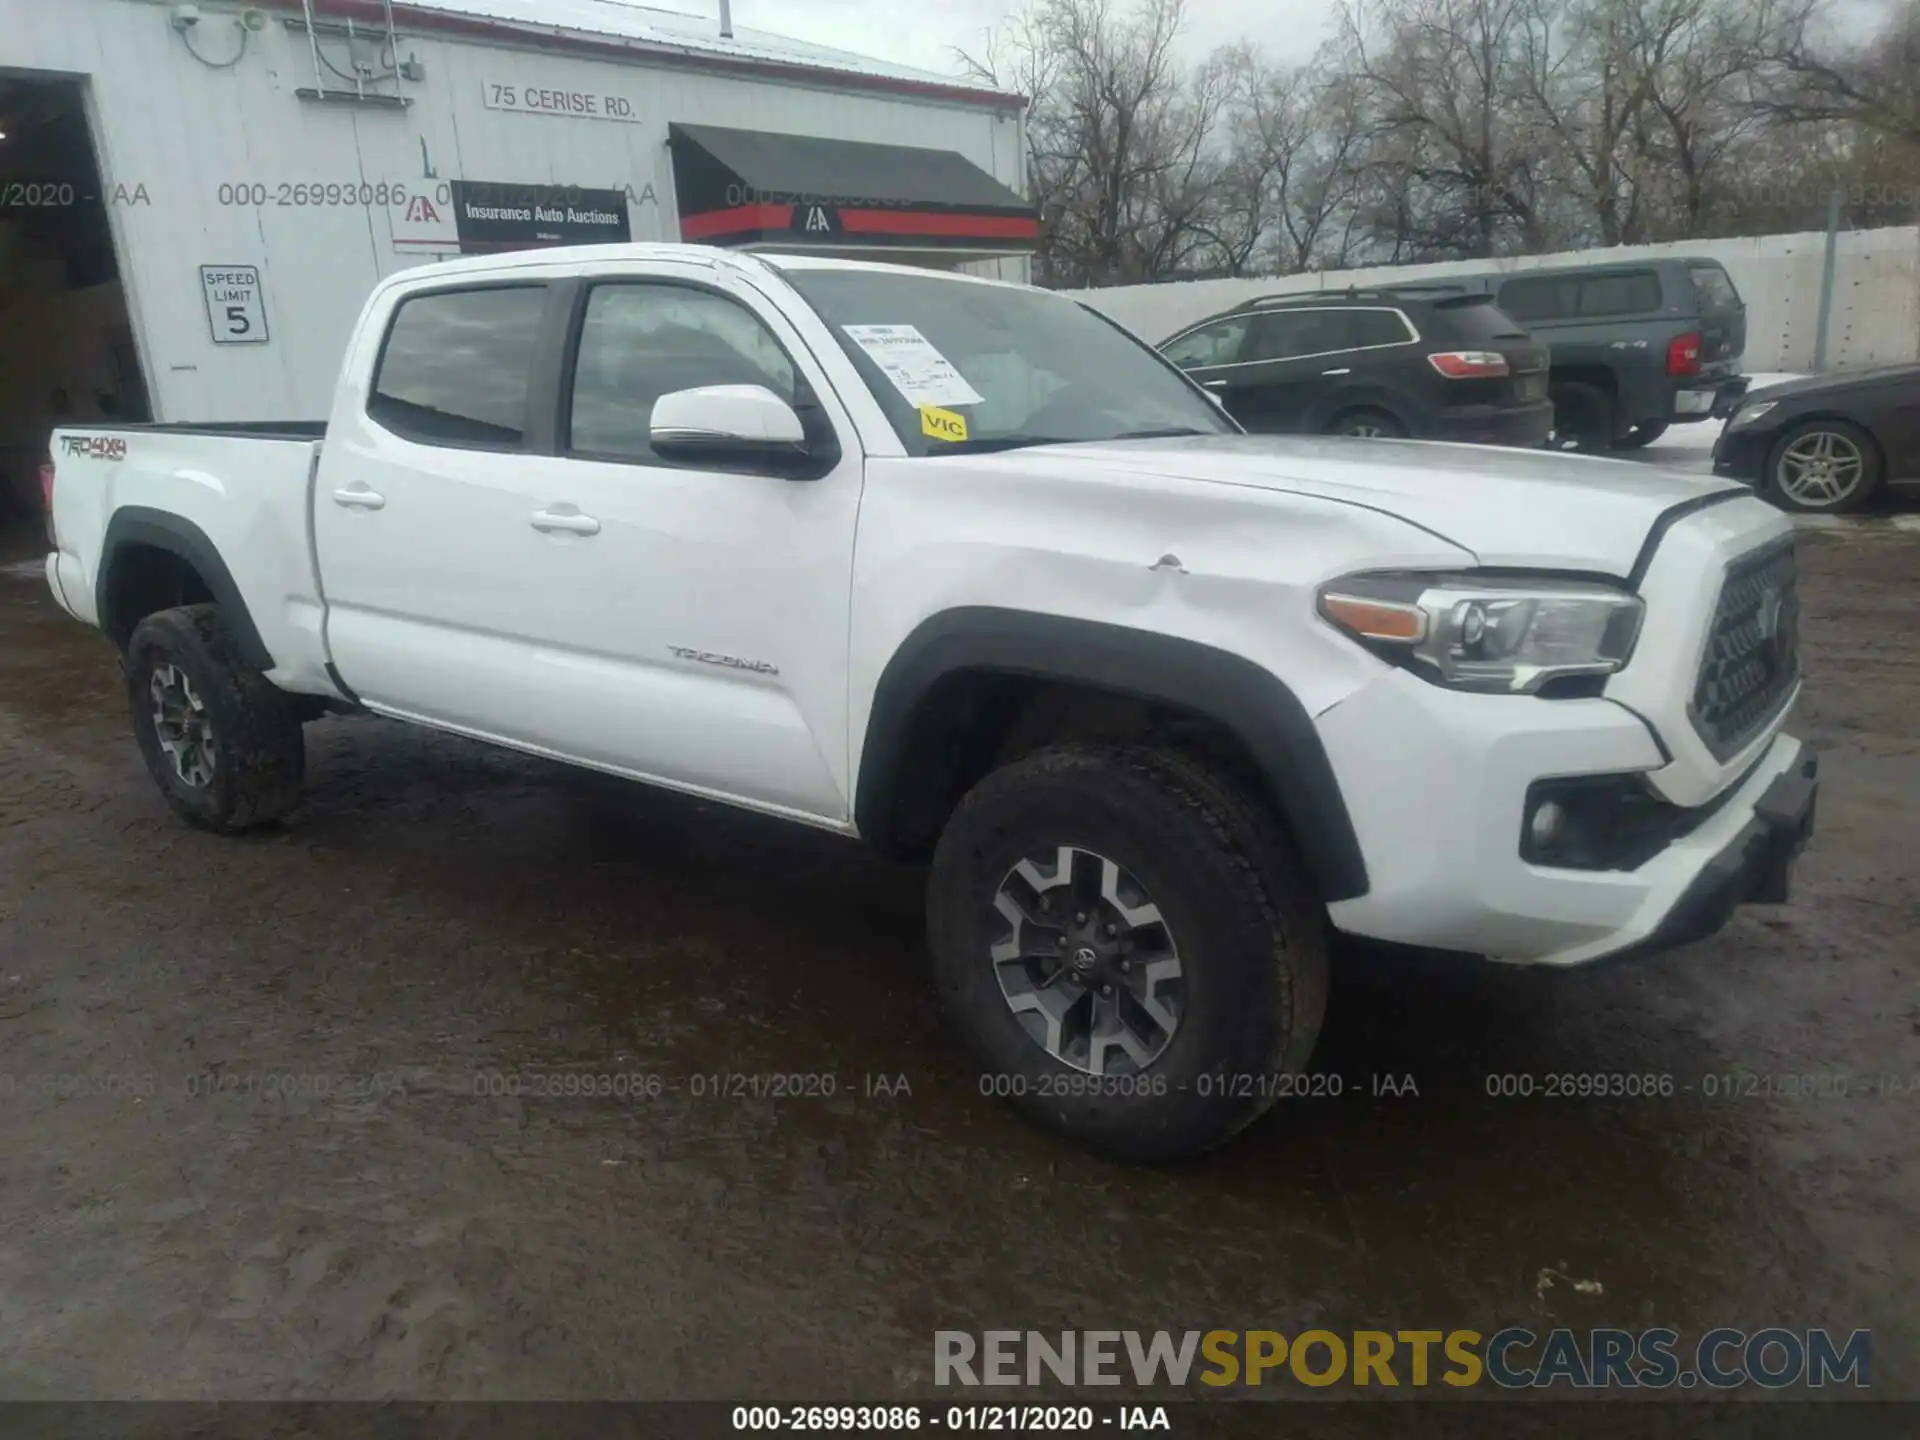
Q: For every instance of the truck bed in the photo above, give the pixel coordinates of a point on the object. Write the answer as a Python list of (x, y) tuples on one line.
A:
[(235, 499)]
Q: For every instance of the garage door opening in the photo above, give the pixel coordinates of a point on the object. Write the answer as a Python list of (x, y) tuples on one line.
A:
[(67, 354)]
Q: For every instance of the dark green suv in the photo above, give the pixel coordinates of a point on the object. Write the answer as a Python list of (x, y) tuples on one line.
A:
[(1636, 346)]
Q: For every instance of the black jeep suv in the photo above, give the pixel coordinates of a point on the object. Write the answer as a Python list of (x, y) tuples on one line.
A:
[(1373, 362)]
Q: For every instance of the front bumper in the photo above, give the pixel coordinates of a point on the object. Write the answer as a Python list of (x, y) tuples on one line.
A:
[(1756, 866), (1437, 785), (1741, 454)]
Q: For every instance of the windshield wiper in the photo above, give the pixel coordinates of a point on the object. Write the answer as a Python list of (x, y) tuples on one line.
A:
[(1000, 442), (1170, 432), (986, 446)]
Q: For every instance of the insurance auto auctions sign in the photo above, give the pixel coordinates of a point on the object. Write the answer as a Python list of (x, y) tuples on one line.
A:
[(490, 215)]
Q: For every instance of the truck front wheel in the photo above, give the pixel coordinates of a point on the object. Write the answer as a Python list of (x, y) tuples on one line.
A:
[(224, 746), (1129, 946)]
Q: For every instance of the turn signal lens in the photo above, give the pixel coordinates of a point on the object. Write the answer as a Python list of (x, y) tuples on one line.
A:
[(1375, 620)]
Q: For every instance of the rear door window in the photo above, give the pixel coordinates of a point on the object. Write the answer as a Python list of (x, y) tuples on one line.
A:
[(1287, 334), (457, 367), (1215, 344), (1714, 287)]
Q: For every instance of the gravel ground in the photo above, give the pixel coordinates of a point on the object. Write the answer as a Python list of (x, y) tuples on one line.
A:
[(172, 1224)]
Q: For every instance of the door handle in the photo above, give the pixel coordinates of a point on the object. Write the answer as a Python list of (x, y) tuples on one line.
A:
[(1343, 370), (1218, 384), (565, 521), (359, 497)]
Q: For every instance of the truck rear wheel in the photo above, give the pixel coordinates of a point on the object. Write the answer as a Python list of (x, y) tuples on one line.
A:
[(1583, 417), (1129, 946), (224, 746)]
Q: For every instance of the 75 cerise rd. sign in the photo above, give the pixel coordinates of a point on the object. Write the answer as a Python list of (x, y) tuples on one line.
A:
[(539, 100)]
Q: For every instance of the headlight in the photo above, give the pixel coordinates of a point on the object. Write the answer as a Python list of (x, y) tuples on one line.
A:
[(1747, 414), (1509, 636)]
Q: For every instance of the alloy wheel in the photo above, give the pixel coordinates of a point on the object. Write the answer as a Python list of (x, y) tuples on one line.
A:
[(182, 727), (1820, 469), (1086, 962)]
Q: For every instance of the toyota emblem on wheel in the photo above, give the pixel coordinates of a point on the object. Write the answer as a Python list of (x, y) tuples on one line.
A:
[(1087, 962)]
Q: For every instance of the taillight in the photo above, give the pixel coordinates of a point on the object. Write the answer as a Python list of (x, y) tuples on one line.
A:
[(1469, 364), (46, 499), (1683, 355)]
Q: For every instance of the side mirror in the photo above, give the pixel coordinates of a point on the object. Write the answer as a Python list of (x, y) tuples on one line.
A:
[(721, 422)]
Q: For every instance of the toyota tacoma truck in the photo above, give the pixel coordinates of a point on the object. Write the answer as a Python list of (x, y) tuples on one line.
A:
[(968, 571)]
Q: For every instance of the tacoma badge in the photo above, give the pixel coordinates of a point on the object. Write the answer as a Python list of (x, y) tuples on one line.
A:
[(731, 662)]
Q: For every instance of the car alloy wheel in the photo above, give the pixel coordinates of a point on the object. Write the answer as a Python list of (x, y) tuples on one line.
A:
[(181, 725), (1087, 963), (1820, 469)]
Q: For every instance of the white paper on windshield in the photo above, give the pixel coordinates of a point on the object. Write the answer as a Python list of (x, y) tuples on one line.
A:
[(917, 370)]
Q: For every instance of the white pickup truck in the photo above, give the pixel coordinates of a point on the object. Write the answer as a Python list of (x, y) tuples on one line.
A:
[(965, 570)]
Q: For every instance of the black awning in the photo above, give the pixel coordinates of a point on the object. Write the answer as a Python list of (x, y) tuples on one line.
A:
[(738, 187)]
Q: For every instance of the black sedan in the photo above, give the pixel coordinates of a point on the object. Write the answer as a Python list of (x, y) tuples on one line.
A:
[(1825, 444)]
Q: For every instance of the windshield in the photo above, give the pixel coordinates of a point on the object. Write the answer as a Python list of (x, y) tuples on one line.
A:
[(959, 366)]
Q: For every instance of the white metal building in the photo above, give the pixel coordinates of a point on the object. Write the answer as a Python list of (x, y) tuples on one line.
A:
[(195, 199)]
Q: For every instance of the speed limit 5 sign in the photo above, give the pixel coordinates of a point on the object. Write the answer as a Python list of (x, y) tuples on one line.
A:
[(236, 304)]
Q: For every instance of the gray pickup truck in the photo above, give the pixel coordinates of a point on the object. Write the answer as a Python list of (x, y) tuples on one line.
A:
[(1636, 346)]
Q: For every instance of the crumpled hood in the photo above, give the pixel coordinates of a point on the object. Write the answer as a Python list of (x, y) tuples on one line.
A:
[(1510, 507)]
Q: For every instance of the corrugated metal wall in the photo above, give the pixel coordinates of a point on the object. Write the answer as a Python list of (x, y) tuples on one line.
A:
[(1876, 293), (173, 131)]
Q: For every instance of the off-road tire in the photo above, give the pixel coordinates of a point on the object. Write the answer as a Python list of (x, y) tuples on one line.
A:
[(1250, 931), (259, 748)]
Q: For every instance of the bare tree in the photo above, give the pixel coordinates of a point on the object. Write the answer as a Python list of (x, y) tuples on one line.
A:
[(1435, 129), (1122, 136), (1445, 82), (1299, 154), (1876, 85)]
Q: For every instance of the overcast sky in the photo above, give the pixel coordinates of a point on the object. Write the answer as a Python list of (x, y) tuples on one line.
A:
[(924, 34), (915, 32)]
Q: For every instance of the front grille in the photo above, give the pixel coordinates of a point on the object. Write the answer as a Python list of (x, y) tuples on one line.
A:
[(1752, 659)]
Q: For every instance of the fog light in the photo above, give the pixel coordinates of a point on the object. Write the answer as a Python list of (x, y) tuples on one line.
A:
[(1547, 824)]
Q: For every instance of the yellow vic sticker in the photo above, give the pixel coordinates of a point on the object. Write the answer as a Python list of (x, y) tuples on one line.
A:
[(942, 424)]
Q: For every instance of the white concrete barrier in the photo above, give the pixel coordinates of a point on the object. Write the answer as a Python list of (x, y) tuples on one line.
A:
[(1876, 293)]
